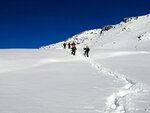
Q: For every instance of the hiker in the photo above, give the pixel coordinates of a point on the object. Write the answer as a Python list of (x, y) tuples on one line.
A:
[(73, 50), (68, 45), (64, 45), (73, 44), (86, 53)]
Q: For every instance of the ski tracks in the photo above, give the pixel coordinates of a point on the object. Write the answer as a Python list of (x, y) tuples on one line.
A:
[(117, 102)]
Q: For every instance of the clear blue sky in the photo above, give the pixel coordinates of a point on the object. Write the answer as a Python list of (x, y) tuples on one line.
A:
[(35, 23)]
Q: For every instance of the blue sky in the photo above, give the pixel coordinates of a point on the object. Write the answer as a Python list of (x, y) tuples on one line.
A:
[(35, 23)]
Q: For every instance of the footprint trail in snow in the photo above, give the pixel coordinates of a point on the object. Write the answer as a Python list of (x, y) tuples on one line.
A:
[(117, 102)]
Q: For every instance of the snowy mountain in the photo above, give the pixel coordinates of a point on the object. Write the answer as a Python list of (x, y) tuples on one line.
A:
[(130, 33), (114, 79)]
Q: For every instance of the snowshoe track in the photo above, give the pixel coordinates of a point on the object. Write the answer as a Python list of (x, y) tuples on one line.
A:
[(117, 102)]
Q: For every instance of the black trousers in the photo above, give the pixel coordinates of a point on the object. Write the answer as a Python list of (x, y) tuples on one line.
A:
[(73, 52), (86, 53)]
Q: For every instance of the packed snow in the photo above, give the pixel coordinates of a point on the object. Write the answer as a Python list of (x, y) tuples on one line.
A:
[(114, 79)]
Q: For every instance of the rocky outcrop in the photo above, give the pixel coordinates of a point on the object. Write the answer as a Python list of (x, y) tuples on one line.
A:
[(128, 19), (106, 28)]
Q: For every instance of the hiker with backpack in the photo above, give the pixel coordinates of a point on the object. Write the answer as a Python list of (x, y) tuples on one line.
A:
[(69, 45), (86, 52), (73, 50), (64, 45), (73, 44)]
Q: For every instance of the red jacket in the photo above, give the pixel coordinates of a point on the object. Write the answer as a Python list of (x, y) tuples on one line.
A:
[(73, 44)]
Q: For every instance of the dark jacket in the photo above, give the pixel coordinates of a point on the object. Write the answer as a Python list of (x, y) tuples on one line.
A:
[(87, 49), (74, 48)]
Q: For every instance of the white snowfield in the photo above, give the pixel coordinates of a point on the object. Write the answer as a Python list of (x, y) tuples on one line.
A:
[(53, 81), (114, 79)]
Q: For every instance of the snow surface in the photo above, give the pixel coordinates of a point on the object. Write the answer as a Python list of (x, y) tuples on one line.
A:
[(53, 81), (50, 81), (114, 79)]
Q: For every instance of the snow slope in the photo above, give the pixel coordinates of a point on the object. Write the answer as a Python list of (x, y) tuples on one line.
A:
[(132, 68), (132, 33), (81, 39), (53, 81)]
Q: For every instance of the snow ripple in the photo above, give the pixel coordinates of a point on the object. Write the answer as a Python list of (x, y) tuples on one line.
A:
[(117, 102)]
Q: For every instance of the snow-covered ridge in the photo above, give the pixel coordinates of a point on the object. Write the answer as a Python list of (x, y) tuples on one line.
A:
[(130, 33), (80, 39)]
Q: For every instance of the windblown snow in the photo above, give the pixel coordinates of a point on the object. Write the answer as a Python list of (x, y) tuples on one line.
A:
[(114, 79)]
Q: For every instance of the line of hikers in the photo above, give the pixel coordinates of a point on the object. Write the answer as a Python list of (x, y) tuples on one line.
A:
[(73, 49)]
